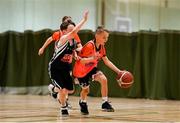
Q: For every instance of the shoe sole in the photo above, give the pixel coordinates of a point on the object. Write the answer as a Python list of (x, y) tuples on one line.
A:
[(84, 113), (64, 115), (108, 110)]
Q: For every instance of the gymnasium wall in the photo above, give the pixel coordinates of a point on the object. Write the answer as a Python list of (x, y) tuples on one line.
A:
[(20, 15), (151, 15), (153, 58), (155, 15)]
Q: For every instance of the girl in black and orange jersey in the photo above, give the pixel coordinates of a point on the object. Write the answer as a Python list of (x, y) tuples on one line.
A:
[(55, 38), (60, 64)]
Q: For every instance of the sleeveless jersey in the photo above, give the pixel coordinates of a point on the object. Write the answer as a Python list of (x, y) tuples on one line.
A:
[(62, 56), (89, 50)]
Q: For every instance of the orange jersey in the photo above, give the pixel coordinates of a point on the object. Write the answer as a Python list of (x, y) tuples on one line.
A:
[(56, 36), (89, 50)]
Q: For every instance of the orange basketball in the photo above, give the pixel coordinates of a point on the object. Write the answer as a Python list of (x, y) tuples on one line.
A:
[(125, 79)]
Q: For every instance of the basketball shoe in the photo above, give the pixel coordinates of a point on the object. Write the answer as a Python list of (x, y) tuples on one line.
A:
[(106, 106), (83, 108), (64, 111)]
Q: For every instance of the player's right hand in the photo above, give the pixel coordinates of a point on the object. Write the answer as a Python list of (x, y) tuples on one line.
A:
[(41, 51), (85, 15)]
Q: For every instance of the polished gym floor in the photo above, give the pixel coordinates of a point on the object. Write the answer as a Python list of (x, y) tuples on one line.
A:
[(31, 108)]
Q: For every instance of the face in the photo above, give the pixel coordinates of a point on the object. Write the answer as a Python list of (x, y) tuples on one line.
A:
[(102, 38), (69, 29)]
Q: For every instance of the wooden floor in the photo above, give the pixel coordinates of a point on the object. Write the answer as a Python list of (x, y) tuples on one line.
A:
[(30, 108)]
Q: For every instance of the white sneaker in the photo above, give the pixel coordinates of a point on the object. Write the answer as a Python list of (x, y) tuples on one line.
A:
[(51, 90)]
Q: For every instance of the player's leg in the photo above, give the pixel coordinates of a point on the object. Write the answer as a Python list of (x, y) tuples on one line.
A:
[(101, 78), (84, 83), (52, 71), (62, 99), (54, 91), (83, 101), (69, 87), (62, 82)]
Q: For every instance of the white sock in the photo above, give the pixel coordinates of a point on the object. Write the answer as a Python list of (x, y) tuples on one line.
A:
[(83, 101), (104, 99)]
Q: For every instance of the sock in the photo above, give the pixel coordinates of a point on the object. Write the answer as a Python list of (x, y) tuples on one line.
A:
[(63, 107), (104, 99), (83, 101)]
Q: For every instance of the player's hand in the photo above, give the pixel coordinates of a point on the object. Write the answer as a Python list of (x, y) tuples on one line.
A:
[(41, 51), (97, 55), (85, 15), (77, 57)]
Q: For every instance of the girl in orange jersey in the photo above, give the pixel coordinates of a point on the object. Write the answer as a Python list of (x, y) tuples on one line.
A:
[(86, 68)]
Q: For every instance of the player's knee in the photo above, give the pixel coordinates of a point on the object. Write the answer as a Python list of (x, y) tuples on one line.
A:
[(103, 80), (64, 91)]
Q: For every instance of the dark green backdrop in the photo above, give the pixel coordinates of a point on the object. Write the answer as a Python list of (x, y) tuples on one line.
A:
[(153, 58)]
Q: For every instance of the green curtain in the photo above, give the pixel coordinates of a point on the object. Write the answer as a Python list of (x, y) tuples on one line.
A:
[(152, 57)]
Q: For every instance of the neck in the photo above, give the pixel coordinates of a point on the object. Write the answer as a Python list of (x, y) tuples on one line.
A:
[(97, 44)]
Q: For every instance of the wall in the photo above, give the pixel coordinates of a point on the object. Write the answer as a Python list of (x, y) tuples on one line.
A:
[(35, 15), (146, 15)]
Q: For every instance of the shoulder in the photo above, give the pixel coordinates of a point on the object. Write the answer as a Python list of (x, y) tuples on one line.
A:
[(76, 37), (56, 35), (88, 49), (89, 45)]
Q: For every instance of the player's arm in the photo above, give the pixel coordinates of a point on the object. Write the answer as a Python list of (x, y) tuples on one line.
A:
[(48, 41), (87, 59), (71, 34), (108, 63)]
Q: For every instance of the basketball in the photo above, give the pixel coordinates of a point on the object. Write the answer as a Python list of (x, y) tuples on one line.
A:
[(125, 79)]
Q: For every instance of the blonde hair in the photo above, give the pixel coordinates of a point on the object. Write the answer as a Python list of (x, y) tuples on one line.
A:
[(101, 29)]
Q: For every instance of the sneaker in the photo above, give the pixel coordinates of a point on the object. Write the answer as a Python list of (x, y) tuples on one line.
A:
[(64, 111), (84, 108), (51, 90), (107, 107)]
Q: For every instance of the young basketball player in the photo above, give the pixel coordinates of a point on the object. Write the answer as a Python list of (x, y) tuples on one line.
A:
[(86, 69), (60, 64), (55, 37)]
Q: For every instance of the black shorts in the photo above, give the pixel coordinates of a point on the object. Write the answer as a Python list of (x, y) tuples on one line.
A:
[(61, 78), (85, 81)]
